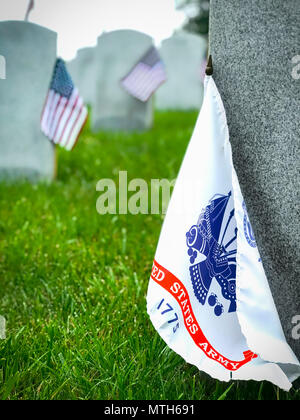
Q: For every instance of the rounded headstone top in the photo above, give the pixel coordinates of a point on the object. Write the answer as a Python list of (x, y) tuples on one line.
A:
[(20, 26), (84, 51), (124, 33)]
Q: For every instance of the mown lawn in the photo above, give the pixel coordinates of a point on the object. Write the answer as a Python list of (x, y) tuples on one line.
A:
[(73, 283)]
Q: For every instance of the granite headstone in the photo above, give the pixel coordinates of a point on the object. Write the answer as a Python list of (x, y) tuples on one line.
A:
[(30, 53), (113, 108), (252, 46), (184, 56)]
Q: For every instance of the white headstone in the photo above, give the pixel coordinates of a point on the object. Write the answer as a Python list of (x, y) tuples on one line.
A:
[(82, 71), (183, 55), (114, 108), (30, 53)]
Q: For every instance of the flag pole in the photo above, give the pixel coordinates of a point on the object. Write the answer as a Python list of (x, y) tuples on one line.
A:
[(209, 68), (29, 8), (56, 162)]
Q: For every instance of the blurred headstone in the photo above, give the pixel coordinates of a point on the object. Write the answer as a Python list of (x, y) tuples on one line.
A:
[(82, 71), (184, 56), (113, 108), (30, 53), (252, 46)]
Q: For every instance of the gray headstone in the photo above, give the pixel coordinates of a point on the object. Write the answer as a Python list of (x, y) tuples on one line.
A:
[(82, 71), (183, 55), (252, 46), (114, 108), (30, 52)]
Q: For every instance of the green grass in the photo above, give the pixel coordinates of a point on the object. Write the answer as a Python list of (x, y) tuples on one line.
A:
[(73, 283)]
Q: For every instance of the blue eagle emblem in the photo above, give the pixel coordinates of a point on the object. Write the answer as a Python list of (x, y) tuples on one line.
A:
[(212, 242)]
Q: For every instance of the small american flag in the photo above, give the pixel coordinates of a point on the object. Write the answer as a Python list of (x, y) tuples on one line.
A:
[(64, 113), (146, 76)]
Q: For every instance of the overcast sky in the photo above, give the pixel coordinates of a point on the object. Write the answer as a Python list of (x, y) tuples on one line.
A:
[(79, 22)]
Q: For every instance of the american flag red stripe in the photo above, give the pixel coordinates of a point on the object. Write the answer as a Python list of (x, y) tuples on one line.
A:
[(69, 122), (64, 112), (58, 124), (76, 128), (54, 116), (46, 111), (59, 113), (53, 104), (65, 117)]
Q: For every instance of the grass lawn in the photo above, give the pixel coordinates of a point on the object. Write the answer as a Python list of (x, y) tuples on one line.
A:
[(73, 283)]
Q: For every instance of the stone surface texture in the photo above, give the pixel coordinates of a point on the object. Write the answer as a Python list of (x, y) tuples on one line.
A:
[(252, 46)]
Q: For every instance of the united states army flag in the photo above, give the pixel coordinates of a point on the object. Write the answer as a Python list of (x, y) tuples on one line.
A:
[(208, 295)]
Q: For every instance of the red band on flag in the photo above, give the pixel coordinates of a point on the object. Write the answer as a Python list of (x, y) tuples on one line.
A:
[(175, 287)]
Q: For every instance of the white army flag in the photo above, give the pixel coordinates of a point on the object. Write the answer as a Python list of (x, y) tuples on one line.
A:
[(208, 295)]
